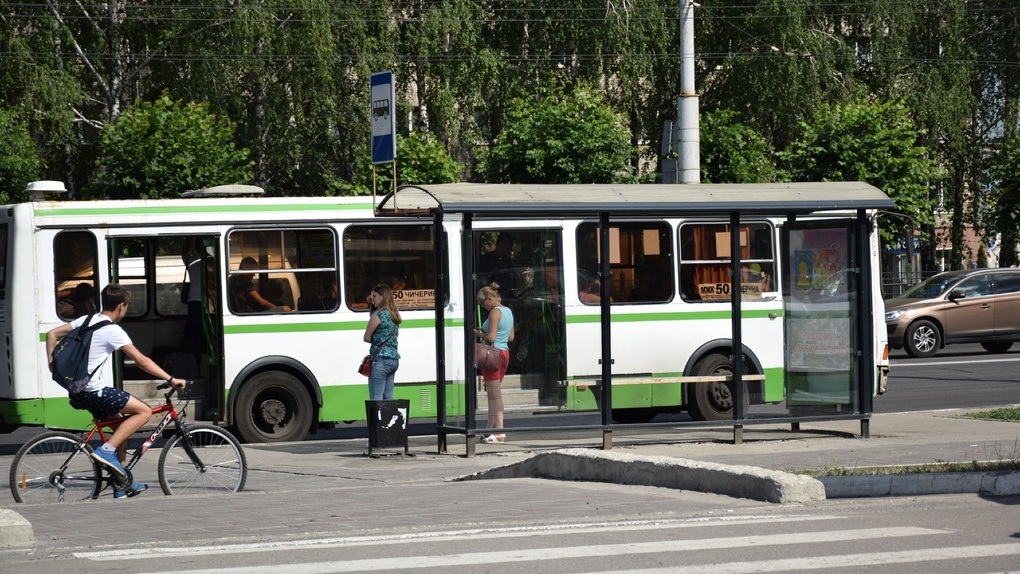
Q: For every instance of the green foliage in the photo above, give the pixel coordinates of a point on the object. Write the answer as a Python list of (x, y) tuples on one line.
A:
[(19, 163), (561, 138), (873, 142), (1000, 414), (732, 152), (421, 159), (163, 148), (1004, 168)]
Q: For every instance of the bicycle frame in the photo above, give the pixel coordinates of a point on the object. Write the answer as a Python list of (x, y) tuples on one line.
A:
[(171, 415)]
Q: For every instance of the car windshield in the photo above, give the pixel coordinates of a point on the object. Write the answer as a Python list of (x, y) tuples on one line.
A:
[(931, 287)]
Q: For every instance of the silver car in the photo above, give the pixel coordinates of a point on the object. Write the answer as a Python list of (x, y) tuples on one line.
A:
[(968, 306)]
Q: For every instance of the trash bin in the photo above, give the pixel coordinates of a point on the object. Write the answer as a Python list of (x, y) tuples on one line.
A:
[(387, 424)]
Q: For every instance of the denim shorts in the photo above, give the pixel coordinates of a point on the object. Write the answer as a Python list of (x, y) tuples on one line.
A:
[(102, 404)]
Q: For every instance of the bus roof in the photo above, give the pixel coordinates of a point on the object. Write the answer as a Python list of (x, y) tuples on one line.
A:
[(621, 199)]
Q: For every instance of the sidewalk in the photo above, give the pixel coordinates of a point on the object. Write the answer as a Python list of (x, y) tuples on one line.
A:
[(339, 489)]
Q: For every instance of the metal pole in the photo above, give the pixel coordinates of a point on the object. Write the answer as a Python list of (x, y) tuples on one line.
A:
[(689, 160), (607, 343)]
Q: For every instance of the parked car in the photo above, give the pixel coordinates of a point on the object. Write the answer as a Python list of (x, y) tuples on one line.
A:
[(967, 306)]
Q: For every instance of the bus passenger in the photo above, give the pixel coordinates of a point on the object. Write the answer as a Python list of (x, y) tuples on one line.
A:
[(497, 330), (104, 401), (76, 302), (589, 289), (246, 298), (381, 332), (193, 338)]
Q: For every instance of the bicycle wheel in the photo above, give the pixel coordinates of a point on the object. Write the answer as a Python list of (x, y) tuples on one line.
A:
[(55, 467), (220, 464)]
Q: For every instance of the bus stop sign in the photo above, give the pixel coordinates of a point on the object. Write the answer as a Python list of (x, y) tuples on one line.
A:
[(384, 142)]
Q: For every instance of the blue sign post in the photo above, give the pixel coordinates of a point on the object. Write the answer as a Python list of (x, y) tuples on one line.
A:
[(384, 137)]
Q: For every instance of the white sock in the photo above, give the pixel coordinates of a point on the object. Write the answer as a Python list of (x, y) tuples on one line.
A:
[(108, 448)]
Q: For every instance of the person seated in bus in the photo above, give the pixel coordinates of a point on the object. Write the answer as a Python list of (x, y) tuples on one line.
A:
[(245, 297), (325, 301), (76, 302), (589, 289)]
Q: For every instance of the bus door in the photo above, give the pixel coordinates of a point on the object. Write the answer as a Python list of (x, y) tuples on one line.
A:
[(183, 337), (527, 264)]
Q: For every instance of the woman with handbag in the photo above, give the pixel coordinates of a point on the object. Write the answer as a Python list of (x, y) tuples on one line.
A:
[(497, 330), (381, 332)]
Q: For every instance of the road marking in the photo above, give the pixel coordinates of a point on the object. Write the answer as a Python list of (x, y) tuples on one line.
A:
[(587, 551), (909, 363), (441, 536), (841, 561)]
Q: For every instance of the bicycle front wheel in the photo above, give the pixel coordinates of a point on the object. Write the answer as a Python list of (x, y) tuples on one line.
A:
[(214, 464), (55, 467)]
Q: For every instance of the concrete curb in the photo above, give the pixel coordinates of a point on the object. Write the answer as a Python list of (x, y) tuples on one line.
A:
[(607, 466), (14, 530), (999, 483)]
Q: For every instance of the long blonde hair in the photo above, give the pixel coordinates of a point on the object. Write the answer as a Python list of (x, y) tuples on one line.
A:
[(388, 303)]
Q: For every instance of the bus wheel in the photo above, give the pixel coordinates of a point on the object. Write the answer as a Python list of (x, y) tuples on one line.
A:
[(713, 401), (273, 407), (633, 416)]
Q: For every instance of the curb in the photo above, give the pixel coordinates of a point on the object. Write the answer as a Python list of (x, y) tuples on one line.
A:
[(606, 466), (14, 530), (997, 483)]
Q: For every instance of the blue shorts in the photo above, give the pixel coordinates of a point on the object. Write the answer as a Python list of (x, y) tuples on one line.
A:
[(103, 404)]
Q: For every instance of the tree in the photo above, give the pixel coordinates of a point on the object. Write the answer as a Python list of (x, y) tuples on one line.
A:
[(163, 148), (875, 143), (732, 152), (1005, 209), (19, 163), (561, 138), (421, 159)]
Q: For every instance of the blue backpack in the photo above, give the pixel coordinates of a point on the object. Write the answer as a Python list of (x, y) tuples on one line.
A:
[(71, 357)]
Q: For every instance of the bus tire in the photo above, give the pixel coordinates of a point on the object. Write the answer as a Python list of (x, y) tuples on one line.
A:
[(633, 416), (273, 406), (713, 401)]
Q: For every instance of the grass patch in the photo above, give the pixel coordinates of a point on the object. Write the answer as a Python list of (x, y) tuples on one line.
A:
[(973, 466), (1003, 460), (1011, 414)]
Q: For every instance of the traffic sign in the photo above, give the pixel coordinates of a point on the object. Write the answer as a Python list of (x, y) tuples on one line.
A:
[(384, 136)]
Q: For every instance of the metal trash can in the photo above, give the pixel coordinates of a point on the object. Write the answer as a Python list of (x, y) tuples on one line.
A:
[(387, 424)]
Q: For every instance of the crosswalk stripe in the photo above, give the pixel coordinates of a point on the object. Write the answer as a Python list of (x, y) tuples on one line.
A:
[(512, 556), (446, 535), (840, 561)]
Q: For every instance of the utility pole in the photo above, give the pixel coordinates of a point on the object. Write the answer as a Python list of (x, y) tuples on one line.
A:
[(689, 148)]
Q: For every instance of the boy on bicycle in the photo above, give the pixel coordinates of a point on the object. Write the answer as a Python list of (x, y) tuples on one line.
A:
[(102, 400)]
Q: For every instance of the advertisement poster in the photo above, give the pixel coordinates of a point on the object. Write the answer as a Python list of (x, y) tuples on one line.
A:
[(818, 328)]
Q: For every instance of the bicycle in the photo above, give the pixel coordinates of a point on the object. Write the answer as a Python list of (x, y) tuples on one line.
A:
[(197, 457)]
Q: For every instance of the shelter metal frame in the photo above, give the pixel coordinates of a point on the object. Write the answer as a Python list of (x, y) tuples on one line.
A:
[(606, 201)]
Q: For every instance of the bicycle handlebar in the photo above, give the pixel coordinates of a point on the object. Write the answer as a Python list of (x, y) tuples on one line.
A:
[(173, 389)]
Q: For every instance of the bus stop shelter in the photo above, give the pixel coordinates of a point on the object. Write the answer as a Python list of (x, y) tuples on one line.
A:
[(846, 205)]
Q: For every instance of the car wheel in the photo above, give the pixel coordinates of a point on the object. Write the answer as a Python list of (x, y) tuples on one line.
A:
[(273, 407), (997, 346), (922, 340)]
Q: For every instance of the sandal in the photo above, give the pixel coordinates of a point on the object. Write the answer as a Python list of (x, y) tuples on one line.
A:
[(493, 439)]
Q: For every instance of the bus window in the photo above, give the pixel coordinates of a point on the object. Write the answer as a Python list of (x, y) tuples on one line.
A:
[(705, 262), (400, 256), (74, 274), (258, 258), (640, 260)]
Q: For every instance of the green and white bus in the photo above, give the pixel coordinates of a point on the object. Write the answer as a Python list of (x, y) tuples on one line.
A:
[(278, 375)]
